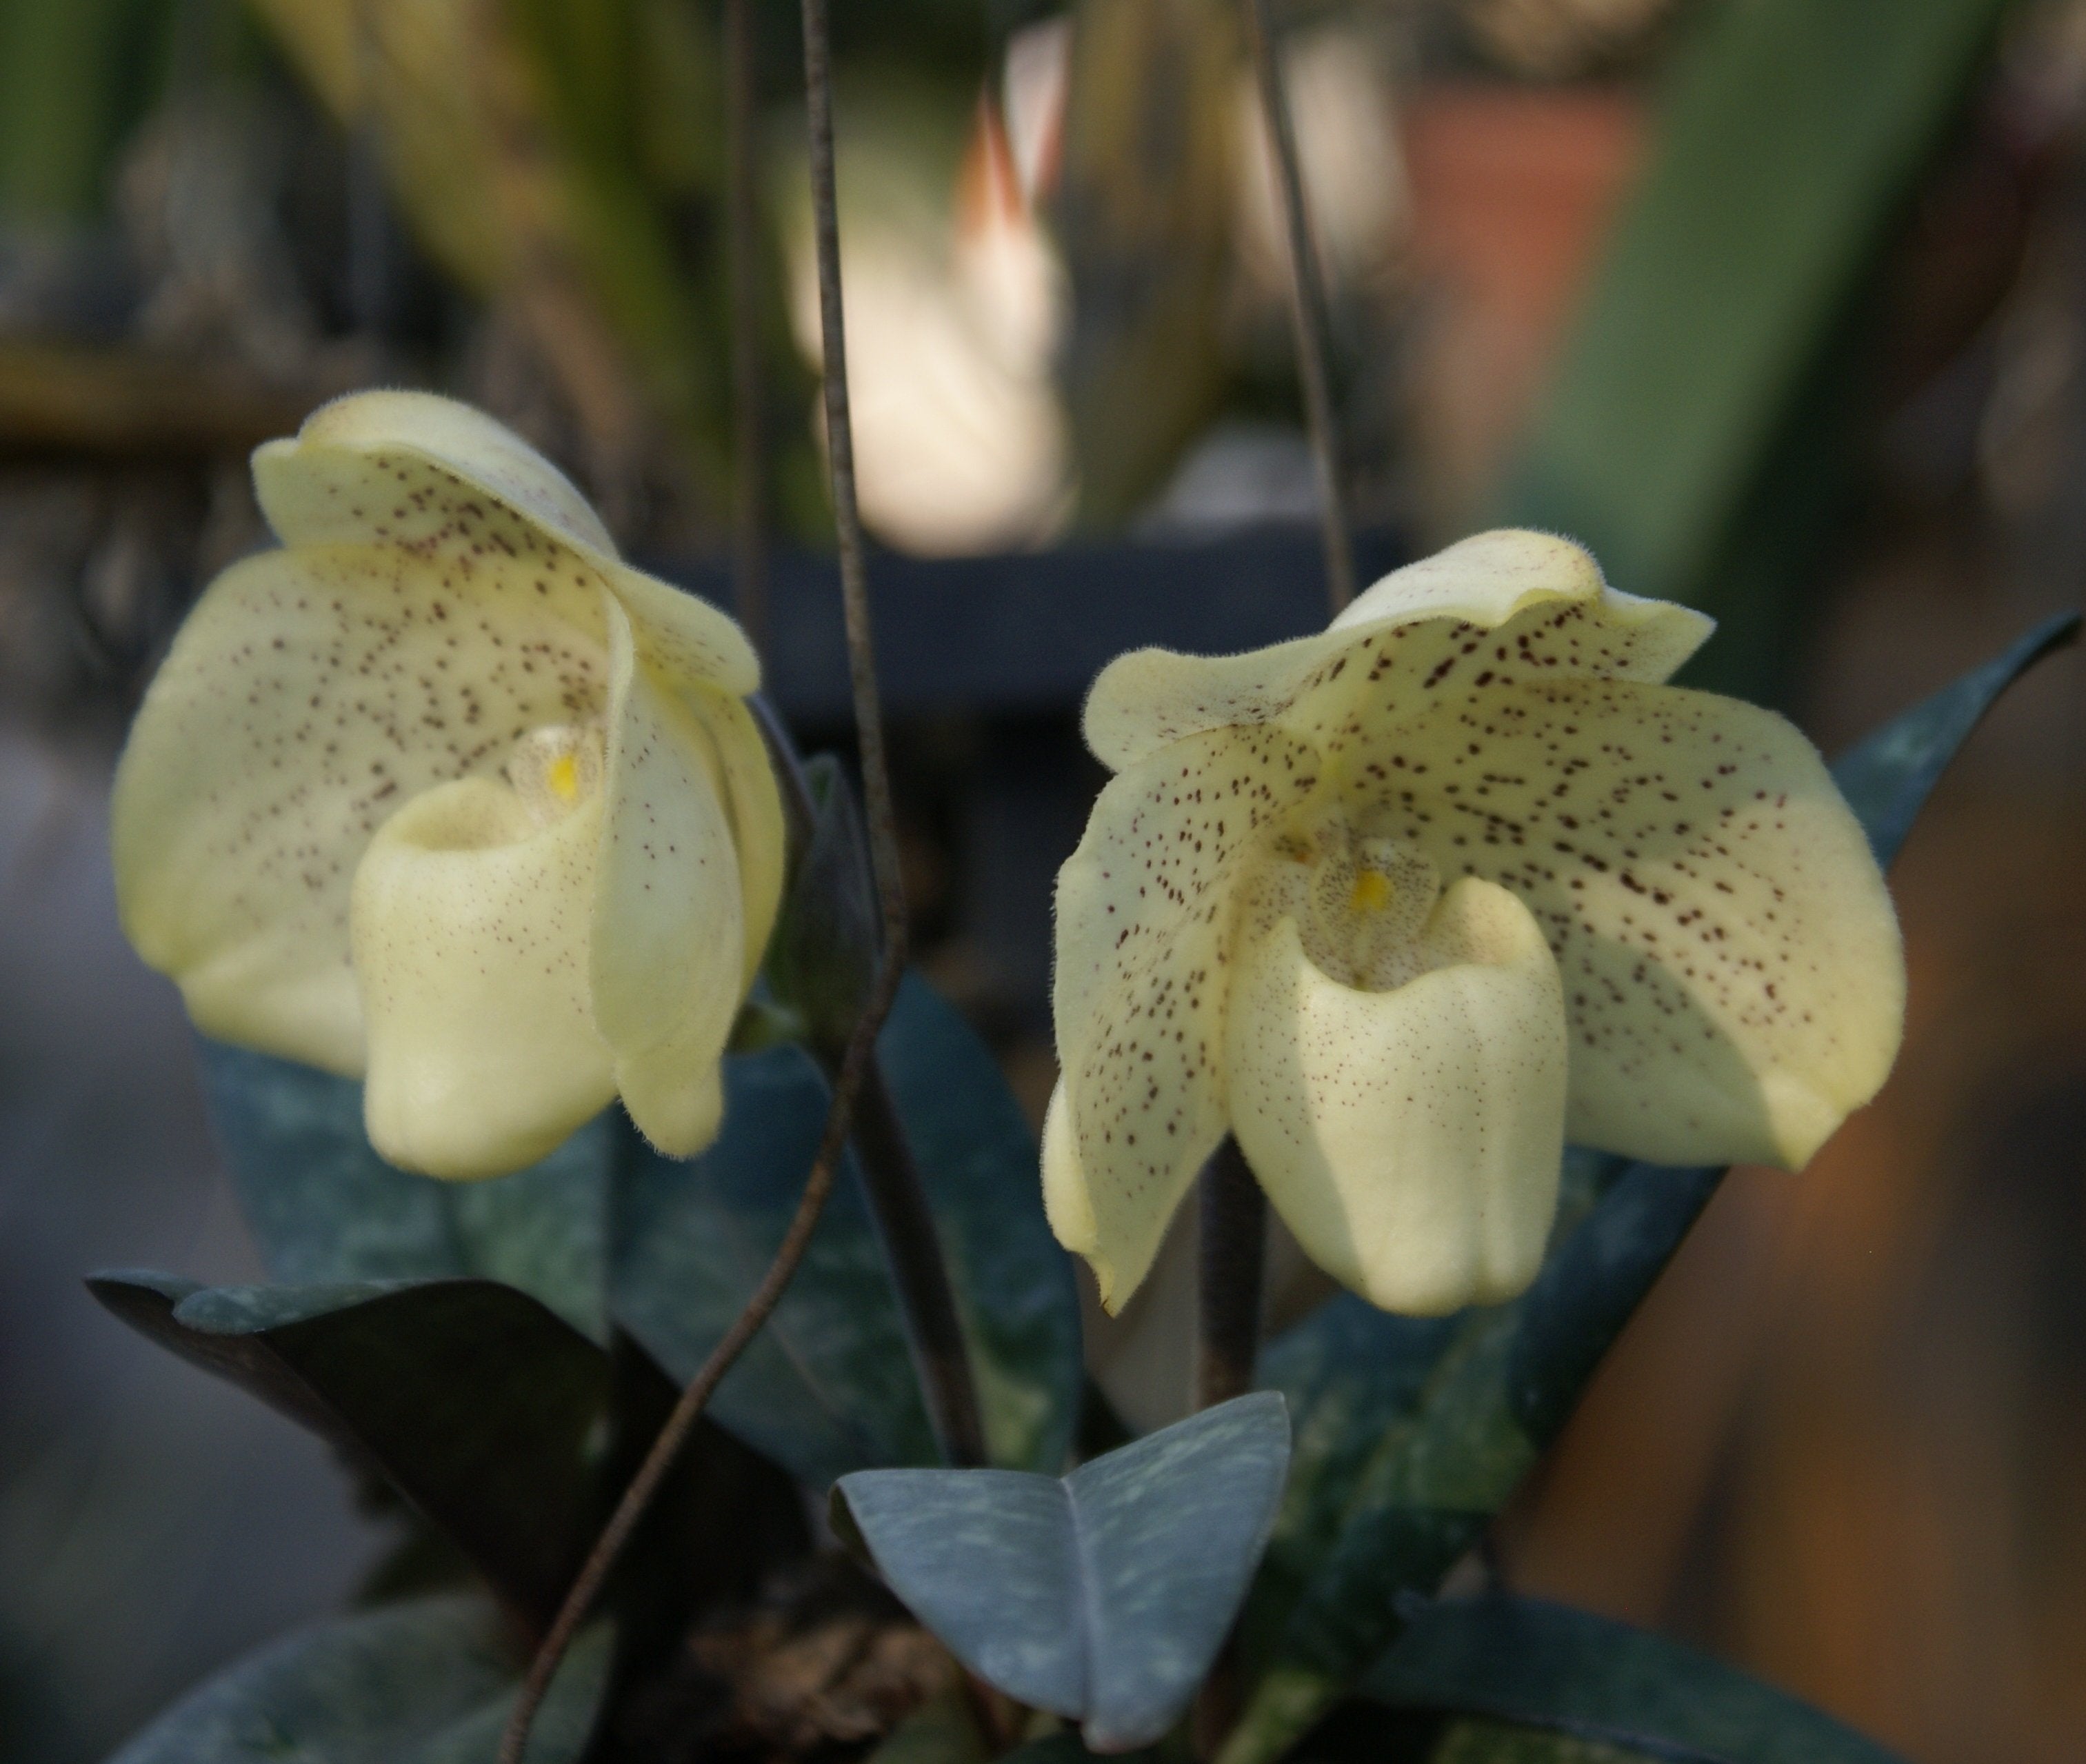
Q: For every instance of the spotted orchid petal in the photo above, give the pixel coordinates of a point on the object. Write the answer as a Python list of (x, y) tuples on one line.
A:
[(445, 601), (1720, 960), (1542, 599), (1409, 1138), (307, 698), (1144, 935), (1731, 962), (748, 785), (669, 915)]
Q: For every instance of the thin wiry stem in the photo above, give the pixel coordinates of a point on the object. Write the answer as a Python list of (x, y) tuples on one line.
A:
[(847, 517), (1307, 305), (919, 1272), (891, 1184), (749, 550), (637, 1497), (883, 847)]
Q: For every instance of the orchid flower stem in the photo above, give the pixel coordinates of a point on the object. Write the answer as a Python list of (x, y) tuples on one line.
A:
[(1234, 1228), (855, 1064), (1308, 311), (899, 1204), (749, 553), (913, 1253)]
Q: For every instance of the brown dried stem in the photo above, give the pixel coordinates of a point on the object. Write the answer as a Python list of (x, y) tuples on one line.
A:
[(883, 847), (749, 553), (1307, 312), (637, 1500)]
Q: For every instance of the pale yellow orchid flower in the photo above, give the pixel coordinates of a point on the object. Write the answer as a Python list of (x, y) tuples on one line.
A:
[(444, 794), (1406, 905)]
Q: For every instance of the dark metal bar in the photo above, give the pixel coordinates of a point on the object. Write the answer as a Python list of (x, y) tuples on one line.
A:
[(1022, 632)]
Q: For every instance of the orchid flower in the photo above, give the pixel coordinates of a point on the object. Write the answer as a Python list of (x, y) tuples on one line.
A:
[(1405, 906), (444, 795)]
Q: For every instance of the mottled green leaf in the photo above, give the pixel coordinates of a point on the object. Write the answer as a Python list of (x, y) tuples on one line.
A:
[(324, 1206), (1546, 1666), (427, 1682), (828, 1386), (486, 1411), (1103, 1596), (1449, 1426)]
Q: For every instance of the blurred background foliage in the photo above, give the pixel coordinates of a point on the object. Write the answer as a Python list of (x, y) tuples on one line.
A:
[(1781, 306)]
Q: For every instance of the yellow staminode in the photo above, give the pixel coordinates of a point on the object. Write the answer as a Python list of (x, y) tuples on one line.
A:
[(1404, 904), (1371, 892), (444, 794)]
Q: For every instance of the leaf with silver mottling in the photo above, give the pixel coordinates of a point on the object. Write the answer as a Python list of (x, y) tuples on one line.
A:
[(1102, 1597)]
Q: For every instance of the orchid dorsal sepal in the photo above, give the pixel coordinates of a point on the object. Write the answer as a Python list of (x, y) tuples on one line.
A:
[(444, 794), (1405, 904)]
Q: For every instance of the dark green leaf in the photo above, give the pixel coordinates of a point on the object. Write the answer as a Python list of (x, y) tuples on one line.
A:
[(1360, 1733), (942, 1730), (1448, 1424), (1062, 1747), (325, 1207), (484, 1409), (428, 1682), (828, 1387), (1014, 1284), (821, 959), (1102, 1597), (1543, 1665)]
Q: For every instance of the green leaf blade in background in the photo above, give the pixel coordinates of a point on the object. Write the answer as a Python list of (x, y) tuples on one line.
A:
[(1103, 1597), (1788, 146), (828, 1387), (1546, 1666), (1509, 1376), (429, 1682), (323, 1208), (484, 1409)]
